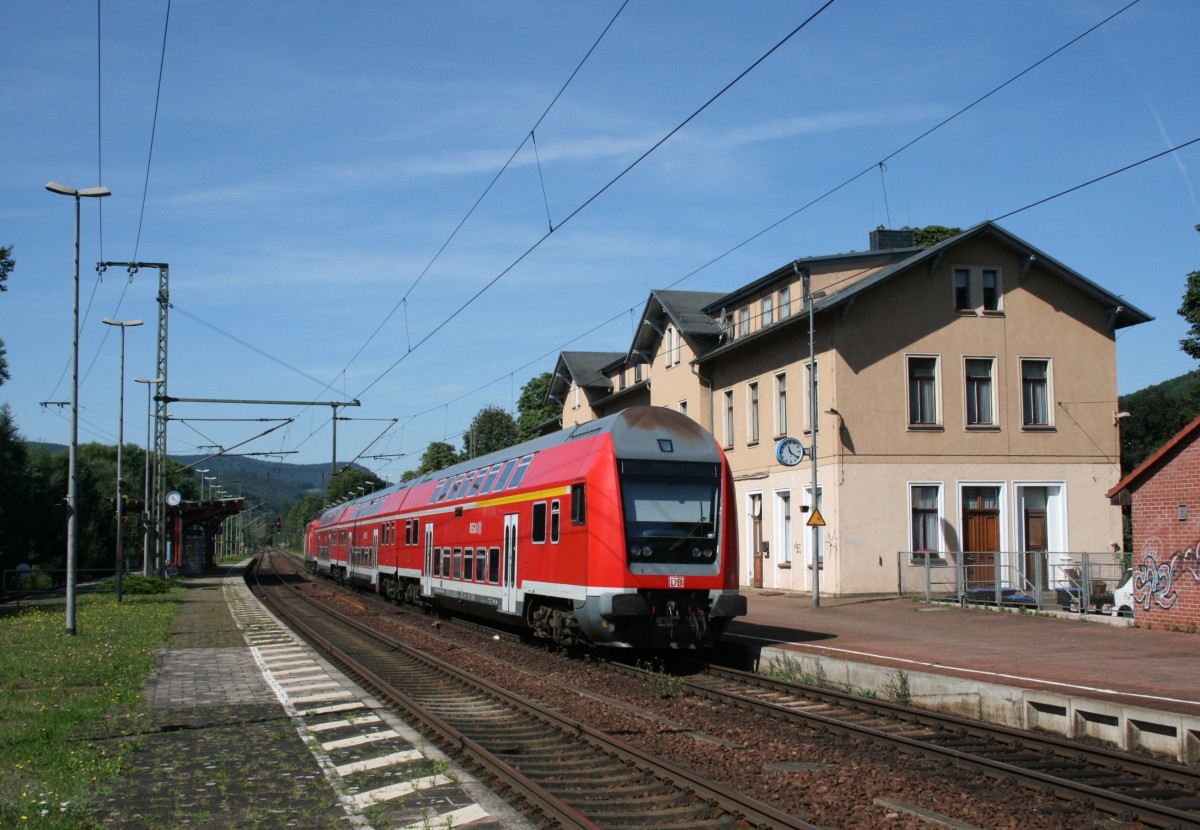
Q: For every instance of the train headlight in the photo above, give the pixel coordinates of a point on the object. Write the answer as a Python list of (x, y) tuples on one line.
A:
[(709, 553), (646, 551), (695, 553)]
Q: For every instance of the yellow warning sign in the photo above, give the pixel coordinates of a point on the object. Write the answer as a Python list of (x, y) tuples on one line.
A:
[(815, 519)]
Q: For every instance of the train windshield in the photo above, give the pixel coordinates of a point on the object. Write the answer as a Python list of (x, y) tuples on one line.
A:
[(671, 511)]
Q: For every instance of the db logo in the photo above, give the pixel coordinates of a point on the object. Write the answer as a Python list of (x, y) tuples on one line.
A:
[(674, 581)]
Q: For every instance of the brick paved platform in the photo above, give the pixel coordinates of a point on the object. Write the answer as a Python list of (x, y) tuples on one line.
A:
[(1095, 676), (250, 727)]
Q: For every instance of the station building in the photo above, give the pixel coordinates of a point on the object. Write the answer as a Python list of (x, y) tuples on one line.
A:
[(961, 398)]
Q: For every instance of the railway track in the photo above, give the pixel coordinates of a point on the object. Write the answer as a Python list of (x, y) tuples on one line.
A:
[(1156, 793), (555, 768)]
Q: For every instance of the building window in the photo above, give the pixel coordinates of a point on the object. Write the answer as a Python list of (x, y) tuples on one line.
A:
[(979, 392), (812, 374), (672, 346), (785, 302), (922, 391), (752, 413), (574, 396), (781, 404), (977, 290), (925, 499), (683, 407), (637, 373), (743, 321), (621, 378), (768, 310), (728, 418), (1035, 392), (784, 508)]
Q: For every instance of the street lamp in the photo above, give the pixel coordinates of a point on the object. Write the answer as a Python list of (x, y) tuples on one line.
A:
[(73, 455), (810, 298), (122, 325), (150, 382)]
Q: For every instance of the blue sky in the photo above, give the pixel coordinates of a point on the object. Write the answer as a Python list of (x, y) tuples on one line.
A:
[(310, 160)]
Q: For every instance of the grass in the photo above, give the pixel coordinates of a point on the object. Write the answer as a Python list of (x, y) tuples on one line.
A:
[(58, 693)]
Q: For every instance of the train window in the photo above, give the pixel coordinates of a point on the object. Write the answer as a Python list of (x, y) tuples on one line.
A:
[(578, 505), (555, 520), (416, 533), (439, 491), (469, 565), (481, 564), (458, 563), (461, 491), (519, 475), (437, 561), (478, 482), (538, 529), (452, 490), (504, 474), (408, 531), (491, 478), (445, 561), (494, 565)]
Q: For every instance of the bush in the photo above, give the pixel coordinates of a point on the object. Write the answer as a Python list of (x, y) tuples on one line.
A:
[(136, 584)]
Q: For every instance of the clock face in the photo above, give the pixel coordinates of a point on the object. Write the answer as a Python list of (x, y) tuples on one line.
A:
[(789, 451), (173, 498)]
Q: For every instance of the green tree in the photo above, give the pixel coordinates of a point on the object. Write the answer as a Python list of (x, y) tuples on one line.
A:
[(491, 429), (932, 234), (1156, 413), (437, 456), (533, 409), (346, 483), (298, 517), (7, 263), (14, 493), (1190, 311)]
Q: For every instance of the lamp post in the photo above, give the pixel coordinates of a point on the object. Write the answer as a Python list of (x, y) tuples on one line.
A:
[(122, 325), (201, 472), (73, 455), (810, 297), (146, 563)]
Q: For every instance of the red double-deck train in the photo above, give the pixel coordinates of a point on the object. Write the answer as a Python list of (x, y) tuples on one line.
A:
[(617, 532)]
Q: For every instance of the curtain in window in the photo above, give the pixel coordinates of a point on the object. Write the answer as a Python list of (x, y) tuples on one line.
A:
[(924, 518), (1034, 376)]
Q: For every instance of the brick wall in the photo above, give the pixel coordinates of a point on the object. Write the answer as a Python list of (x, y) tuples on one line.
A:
[(1166, 538)]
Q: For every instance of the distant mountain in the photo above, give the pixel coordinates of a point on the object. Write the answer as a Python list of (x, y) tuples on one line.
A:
[(276, 484)]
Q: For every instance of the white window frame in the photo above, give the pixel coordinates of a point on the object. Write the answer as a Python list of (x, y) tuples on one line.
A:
[(937, 392), (976, 303), (728, 436), (785, 527), (672, 338), (768, 311), (812, 389), (785, 302), (753, 432), (938, 552), (743, 326), (993, 420), (781, 405), (1048, 386)]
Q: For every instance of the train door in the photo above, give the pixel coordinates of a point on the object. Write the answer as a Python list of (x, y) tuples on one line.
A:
[(375, 557), (508, 595), (427, 571)]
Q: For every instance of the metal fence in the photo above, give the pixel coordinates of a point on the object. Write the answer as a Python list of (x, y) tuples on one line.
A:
[(1041, 580), (27, 585)]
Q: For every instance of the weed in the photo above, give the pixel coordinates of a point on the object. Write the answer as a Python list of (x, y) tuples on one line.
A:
[(664, 684), (867, 693), (896, 688), (796, 670)]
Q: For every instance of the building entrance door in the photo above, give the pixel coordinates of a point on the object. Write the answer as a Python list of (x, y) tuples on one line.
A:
[(756, 538), (981, 535)]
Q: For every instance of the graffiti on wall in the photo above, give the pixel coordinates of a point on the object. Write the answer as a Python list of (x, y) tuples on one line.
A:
[(1155, 582)]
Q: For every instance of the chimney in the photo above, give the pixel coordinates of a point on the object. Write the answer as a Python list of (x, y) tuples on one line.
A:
[(883, 239)]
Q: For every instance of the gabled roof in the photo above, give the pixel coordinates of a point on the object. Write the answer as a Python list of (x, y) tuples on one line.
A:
[(683, 309), (1181, 438), (1122, 314), (585, 369)]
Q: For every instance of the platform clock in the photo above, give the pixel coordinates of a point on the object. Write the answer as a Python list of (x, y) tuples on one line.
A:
[(789, 451)]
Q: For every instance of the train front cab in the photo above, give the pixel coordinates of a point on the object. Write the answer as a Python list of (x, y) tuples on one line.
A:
[(665, 575)]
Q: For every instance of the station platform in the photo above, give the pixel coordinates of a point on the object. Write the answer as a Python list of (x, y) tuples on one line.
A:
[(249, 726), (1064, 673)]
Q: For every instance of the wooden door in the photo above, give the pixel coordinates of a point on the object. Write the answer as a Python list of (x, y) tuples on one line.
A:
[(756, 538), (981, 535)]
